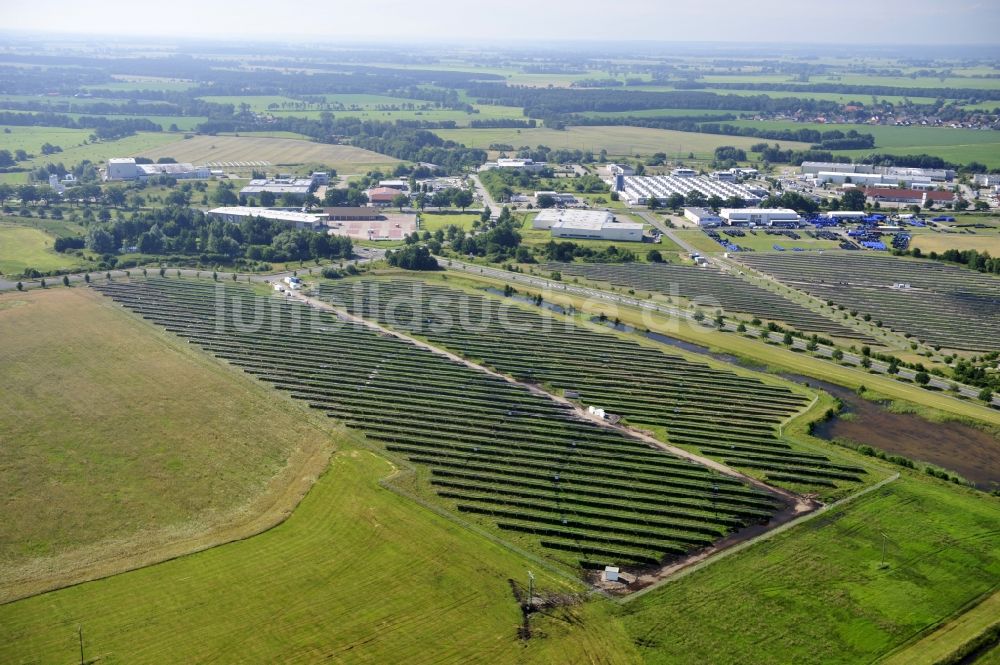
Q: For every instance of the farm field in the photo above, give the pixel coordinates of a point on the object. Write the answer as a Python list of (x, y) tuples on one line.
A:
[(209, 149), (537, 474), (945, 639), (943, 551), (345, 568), (710, 288), (73, 153), (947, 305), (981, 241), (23, 247), (369, 107), (124, 485), (718, 412), (659, 113), (618, 141), (958, 145), (144, 83), (31, 139)]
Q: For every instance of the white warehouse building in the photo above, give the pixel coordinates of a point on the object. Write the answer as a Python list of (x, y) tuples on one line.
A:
[(126, 168), (702, 217), (760, 216), (587, 224), (300, 220)]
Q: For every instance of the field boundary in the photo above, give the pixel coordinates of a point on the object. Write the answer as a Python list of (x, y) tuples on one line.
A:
[(282, 493), (739, 547)]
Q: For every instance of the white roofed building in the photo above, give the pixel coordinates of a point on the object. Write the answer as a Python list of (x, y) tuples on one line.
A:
[(587, 224), (300, 220)]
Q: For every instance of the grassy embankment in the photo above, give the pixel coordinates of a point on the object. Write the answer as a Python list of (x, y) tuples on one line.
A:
[(126, 447)]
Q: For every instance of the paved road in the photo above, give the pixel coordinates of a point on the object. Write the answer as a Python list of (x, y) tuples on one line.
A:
[(485, 195), (362, 255), (823, 351)]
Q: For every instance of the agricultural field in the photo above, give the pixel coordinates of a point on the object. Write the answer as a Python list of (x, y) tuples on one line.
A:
[(957, 145), (709, 288), (92, 488), (536, 476), (945, 305), (618, 141), (23, 247), (74, 153), (280, 152), (31, 139), (981, 241), (346, 568), (369, 107), (819, 593), (715, 411)]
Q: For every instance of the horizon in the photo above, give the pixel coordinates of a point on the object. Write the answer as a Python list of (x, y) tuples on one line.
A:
[(888, 24)]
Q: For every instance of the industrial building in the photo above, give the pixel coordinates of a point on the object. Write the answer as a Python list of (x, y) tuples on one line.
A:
[(702, 217), (893, 180), (908, 196), (620, 169), (513, 163), (300, 220), (760, 217), (638, 190), (986, 179), (587, 224), (296, 188), (937, 175), (561, 198), (126, 168)]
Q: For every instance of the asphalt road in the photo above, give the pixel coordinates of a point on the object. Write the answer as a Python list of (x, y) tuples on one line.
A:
[(822, 351)]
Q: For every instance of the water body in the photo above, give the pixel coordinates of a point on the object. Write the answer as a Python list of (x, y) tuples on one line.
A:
[(969, 452)]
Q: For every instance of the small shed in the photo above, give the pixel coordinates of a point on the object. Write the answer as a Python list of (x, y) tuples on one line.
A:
[(611, 573)]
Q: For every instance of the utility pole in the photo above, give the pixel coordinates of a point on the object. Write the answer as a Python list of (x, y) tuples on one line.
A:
[(531, 589), (884, 539), (79, 632)]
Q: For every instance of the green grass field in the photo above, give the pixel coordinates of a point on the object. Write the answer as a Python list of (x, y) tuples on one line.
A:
[(360, 574), (74, 151), (620, 141), (22, 247), (958, 145), (817, 594), (430, 221), (981, 240), (945, 639), (128, 441)]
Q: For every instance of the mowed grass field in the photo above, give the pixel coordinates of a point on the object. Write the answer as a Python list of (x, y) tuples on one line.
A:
[(71, 141), (358, 573), (210, 149), (120, 442), (430, 221), (622, 141), (982, 241), (817, 594), (956, 145), (22, 247)]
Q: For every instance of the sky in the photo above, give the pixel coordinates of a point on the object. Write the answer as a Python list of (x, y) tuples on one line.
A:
[(768, 21)]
